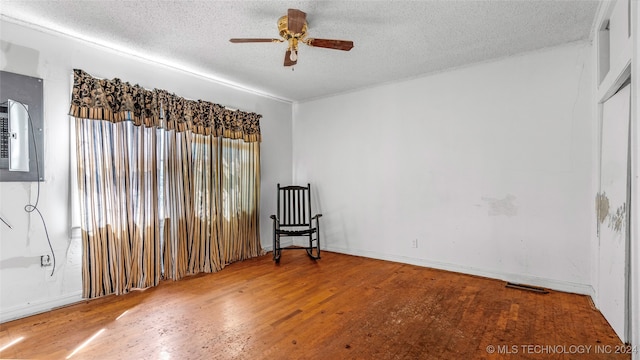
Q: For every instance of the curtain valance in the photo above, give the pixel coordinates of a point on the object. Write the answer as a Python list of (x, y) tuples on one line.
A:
[(115, 101)]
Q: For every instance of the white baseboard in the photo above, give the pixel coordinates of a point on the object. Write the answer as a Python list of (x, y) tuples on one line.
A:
[(552, 284), (283, 243), (37, 307)]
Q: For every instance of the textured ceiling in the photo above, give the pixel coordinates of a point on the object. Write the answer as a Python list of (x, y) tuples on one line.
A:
[(393, 39)]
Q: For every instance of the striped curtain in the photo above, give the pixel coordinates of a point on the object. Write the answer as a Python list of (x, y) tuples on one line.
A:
[(240, 192), (177, 206), (160, 201), (118, 187)]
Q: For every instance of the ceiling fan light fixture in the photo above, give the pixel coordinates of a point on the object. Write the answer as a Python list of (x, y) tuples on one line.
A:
[(293, 30)]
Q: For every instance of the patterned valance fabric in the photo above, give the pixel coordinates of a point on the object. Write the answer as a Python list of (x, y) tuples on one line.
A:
[(115, 101)]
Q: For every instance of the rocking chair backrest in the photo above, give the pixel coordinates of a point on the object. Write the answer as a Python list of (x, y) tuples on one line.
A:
[(294, 205)]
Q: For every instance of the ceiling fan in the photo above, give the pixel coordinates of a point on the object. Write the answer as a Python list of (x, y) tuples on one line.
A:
[(293, 30)]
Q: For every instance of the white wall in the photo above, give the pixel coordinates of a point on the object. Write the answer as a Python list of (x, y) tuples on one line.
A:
[(635, 184), (489, 167), (25, 287)]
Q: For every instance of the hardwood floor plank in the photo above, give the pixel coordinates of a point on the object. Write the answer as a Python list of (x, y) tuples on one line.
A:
[(340, 307)]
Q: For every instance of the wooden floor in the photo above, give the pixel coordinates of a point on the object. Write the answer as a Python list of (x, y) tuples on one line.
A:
[(341, 307)]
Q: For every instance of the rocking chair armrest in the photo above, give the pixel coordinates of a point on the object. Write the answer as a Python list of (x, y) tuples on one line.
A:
[(317, 216), (276, 222)]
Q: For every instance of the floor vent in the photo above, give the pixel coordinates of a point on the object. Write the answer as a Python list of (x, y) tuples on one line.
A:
[(527, 287)]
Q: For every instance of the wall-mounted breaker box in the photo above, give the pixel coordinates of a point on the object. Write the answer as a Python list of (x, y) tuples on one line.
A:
[(14, 136), (21, 128)]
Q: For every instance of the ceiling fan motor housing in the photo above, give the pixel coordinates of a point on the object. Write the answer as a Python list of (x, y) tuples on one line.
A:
[(284, 29), (290, 37)]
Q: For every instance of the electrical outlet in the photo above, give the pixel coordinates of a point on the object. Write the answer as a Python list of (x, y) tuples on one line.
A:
[(45, 260), (414, 243)]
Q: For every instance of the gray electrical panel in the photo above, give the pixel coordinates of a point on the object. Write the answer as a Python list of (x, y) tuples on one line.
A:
[(21, 128)]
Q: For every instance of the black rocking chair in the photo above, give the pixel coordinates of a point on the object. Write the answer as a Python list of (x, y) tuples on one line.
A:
[(293, 218)]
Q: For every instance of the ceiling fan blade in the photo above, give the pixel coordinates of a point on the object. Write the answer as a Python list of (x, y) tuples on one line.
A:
[(296, 20), (236, 41), (287, 59), (345, 45)]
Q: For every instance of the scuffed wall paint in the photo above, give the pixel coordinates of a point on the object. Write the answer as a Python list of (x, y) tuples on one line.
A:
[(602, 206), (506, 206), (617, 220)]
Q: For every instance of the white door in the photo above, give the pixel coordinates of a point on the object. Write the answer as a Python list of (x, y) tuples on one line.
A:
[(613, 209)]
